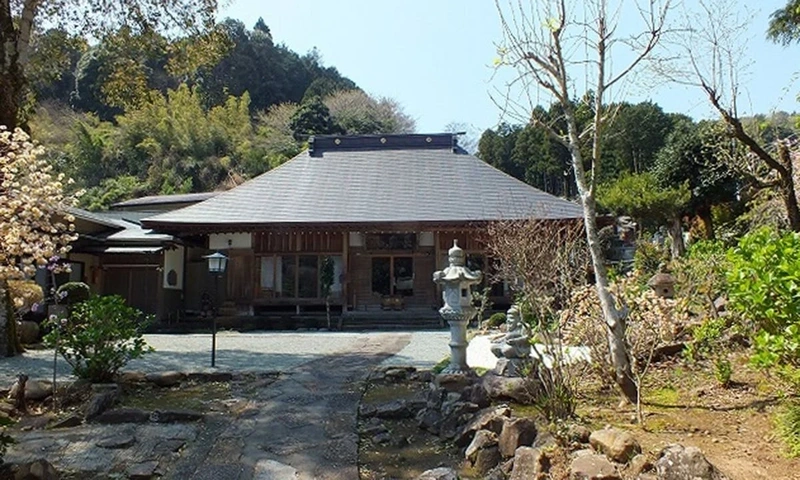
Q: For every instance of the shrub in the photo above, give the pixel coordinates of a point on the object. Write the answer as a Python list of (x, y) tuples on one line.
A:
[(764, 287), (648, 257), (496, 319), (652, 321), (101, 335), (700, 275), (788, 426), (72, 293)]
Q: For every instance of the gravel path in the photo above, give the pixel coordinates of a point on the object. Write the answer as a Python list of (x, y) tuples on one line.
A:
[(258, 351)]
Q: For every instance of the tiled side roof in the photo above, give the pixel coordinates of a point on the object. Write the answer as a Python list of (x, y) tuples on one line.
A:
[(369, 186), (161, 199)]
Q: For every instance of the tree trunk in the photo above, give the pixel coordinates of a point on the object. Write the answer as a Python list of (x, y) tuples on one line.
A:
[(614, 318), (676, 235), (704, 214), (11, 80), (9, 342), (787, 188)]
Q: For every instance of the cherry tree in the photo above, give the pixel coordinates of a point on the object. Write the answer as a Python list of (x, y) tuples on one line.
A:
[(35, 223)]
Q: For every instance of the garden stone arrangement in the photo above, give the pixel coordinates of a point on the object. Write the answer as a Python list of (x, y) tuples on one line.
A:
[(494, 443)]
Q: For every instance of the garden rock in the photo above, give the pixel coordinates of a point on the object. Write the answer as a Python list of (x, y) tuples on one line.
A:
[(483, 439), (165, 379), (516, 432), (28, 332), (677, 462), (382, 438), (205, 377), (486, 459), (36, 470), (101, 402), (592, 467), (69, 422), (640, 463), (454, 382), (528, 463), (396, 374), (618, 445), (491, 419), (123, 415), (578, 434), (478, 395), (269, 469), (175, 416), (429, 419), (131, 377), (35, 422), (506, 388), (142, 471), (122, 440), (441, 473), (34, 390)]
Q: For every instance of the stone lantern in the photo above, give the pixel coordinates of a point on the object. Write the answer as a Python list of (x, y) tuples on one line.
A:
[(663, 283), (455, 281)]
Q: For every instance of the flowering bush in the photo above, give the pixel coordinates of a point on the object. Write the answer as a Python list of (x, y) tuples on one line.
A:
[(25, 295), (652, 321), (35, 223), (101, 335)]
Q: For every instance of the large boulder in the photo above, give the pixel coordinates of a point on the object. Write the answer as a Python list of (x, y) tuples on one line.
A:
[(499, 387), (100, 402), (454, 382), (487, 459), (123, 415), (529, 463), (440, 473), (491, 419), (395, 410), (592, 467), (34, 390), (165, 379), (618, 445), (516, 432), (483, 439), (478, 395), (677, 462)]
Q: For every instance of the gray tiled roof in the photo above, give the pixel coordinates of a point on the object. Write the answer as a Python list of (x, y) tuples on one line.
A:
[(373, 186), (162, 199)]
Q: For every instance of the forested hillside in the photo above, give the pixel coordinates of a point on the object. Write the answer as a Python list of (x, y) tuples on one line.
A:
[(140, 114), (657, 167)]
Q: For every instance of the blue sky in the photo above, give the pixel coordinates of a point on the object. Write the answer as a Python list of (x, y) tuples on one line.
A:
[(435, 56)]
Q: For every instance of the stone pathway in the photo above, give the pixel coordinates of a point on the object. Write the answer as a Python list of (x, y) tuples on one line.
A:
[(302, 426), (299, 425)]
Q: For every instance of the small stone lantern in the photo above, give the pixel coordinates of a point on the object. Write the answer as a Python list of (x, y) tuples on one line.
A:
[(456, 280), (663, 283)]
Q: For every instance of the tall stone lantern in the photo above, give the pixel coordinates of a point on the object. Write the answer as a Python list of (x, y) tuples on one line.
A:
[(455, 281)]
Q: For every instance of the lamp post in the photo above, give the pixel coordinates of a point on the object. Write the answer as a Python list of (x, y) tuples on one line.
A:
[(216, 267)]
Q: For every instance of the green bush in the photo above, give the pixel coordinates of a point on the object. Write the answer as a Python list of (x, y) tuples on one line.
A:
[(101, 335), (496, 319), (764, 287), (72, 293), (648, 257)]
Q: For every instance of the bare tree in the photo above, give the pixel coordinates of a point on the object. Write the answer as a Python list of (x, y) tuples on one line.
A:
[(558, 48), (710, 56), (543, 261)]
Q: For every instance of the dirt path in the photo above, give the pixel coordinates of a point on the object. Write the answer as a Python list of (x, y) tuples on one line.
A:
[(302, 426)]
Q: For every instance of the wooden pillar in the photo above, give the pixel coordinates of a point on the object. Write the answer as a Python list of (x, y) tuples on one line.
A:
[(346, 267)]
